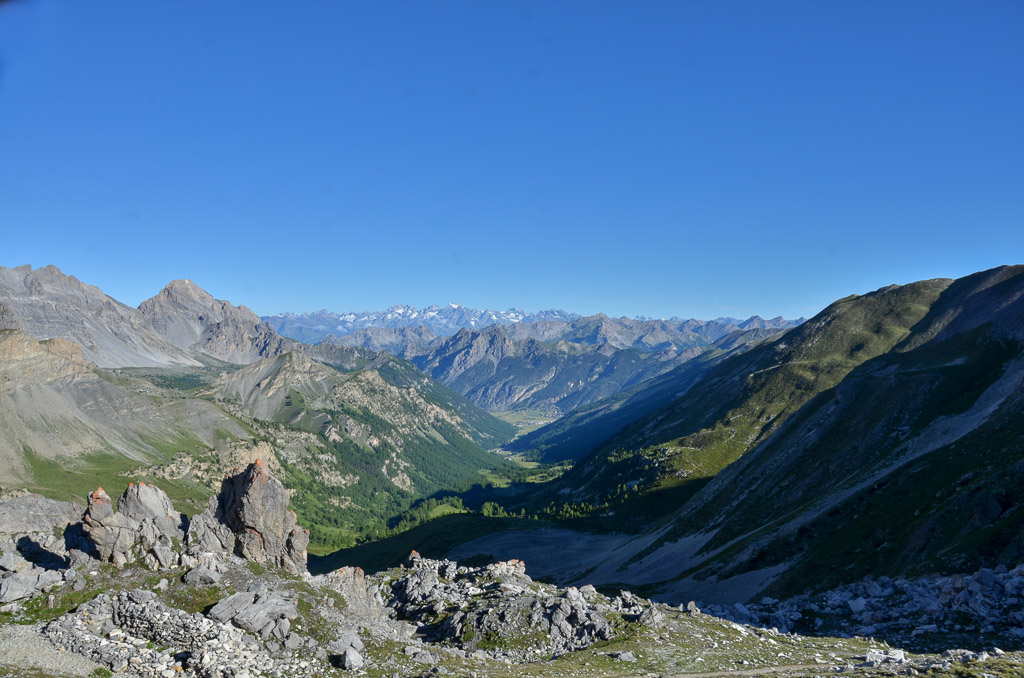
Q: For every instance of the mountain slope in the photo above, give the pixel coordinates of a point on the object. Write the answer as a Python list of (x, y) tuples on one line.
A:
[(374, 445), (497, 372), (46, 304), (57, 411), (581, 431), (930, 432), (743, 400), (883, 436)]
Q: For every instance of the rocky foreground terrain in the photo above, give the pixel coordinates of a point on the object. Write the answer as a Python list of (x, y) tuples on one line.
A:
[(138, 589)]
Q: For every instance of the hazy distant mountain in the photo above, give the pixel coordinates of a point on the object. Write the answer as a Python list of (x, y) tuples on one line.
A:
[(556, 365), (443, 320)]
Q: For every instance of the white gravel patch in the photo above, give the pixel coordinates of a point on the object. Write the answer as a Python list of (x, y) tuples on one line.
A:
[(26, 647)]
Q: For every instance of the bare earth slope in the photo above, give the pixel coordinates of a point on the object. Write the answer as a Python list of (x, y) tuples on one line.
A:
[(56, 406)]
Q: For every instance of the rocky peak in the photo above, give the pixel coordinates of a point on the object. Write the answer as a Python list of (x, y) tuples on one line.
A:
[(45, 304), (188, 317)]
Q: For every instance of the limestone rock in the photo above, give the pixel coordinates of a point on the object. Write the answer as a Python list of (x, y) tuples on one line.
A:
[(261, 611), (361, 596), (351, 659), (201, 576), (144, 502), (27, 583), (250, 518), (145, 529), (8, 318), (31, 513)]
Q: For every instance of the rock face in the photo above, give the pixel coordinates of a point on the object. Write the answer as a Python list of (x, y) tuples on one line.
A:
[(250, 518), (31, 513), (8, 318), (188, 317), (145, 528), (31, 552), (361, 596)]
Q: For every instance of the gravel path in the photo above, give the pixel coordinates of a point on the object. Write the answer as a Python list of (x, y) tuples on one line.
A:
[(26, 647)]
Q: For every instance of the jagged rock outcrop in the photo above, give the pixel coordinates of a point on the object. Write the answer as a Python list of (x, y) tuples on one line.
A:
[(250, 518), (146, 527), (498, 606)]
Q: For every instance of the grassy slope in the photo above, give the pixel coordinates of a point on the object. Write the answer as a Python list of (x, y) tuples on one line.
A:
[(743, 400), (956, 508)]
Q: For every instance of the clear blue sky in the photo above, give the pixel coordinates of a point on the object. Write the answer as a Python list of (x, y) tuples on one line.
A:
[(659, 158)]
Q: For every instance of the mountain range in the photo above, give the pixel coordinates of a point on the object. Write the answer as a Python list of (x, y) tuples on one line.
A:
[(881, 437), (449, 319), (441, 320), (187, 385), (554, 365)]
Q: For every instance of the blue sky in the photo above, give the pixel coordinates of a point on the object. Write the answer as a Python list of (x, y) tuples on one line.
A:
[(657, 158)]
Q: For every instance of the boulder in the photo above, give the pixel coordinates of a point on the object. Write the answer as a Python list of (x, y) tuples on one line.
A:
[(260, 611), (351, 659), (27, 583), (361, 597), (250, 518), (201, 576)]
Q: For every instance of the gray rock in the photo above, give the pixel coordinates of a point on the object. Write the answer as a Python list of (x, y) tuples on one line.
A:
[(361, 597), (144, 503), (201, 576), (127, 536), (260, 611), (626, 656), (28, 583), (250, 518), (652, 616), (31, 513), (11, 561), (351, 659)]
